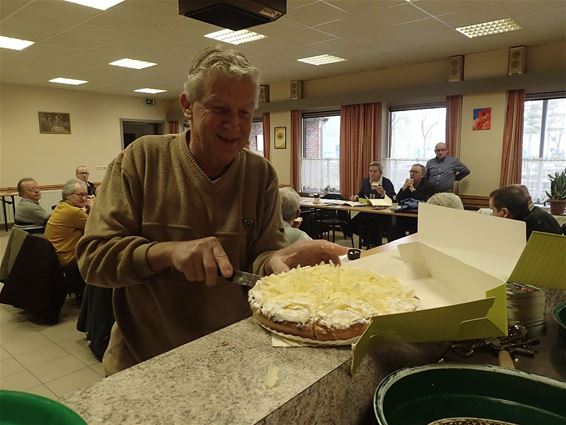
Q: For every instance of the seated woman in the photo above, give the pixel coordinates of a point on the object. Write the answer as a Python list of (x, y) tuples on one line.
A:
[(290, 211), (64, 229)]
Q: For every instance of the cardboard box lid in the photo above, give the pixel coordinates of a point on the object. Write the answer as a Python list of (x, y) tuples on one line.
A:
[(490, 245)]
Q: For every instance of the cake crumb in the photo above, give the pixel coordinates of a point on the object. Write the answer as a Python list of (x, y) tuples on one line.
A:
[(272, 376)]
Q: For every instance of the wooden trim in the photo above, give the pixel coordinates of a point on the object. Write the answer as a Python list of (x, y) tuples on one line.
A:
[(474, 202), (44, 187)]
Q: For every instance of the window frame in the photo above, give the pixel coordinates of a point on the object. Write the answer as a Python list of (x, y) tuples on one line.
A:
[(315, 114)]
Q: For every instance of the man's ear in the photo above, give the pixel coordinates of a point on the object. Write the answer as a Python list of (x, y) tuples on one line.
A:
[(185, 106), (506, 213)]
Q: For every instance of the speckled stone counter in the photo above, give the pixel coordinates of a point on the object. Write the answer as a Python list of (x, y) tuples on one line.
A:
[(220, 379)]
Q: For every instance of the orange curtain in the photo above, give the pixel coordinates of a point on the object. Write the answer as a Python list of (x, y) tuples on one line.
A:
[(295, 149), (266, 134), (453, 124), (173, 127), (511, 157), (360, 143)]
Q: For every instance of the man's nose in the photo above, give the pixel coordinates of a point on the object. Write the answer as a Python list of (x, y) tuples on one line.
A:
[(232, 120)]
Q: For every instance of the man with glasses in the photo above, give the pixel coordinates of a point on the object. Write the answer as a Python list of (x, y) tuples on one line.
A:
[(66, 226), (444, 170), (83, 174)]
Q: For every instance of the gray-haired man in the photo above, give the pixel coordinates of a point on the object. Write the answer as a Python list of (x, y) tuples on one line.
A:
[(178, 210)]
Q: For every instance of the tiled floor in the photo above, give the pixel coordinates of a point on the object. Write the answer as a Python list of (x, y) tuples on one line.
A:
[(45, 360), (49, 360)]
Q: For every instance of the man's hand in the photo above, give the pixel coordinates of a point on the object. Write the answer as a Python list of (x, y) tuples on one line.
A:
[(199, 260), (304, 253), (409, 184)]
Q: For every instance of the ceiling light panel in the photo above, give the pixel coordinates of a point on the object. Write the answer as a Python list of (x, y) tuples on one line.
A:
[(235, 37), (97, 4), (132, 63), (14, 43), (321, 60), (61, 80), (489, 28), (150, 91)]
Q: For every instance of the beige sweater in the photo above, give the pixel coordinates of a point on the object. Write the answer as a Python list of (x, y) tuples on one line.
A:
[(155, 191)]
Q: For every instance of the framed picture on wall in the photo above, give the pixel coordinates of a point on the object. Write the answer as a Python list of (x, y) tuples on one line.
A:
[(280, 138), (482, 119), (54, 123)]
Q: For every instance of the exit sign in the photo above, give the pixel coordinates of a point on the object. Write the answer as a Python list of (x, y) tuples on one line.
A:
[(149, 101)]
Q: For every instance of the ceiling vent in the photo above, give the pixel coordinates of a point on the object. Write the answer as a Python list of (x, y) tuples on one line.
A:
[(233, 14)]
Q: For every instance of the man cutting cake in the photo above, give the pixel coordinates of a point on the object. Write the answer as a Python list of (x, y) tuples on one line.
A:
[(175, 211)]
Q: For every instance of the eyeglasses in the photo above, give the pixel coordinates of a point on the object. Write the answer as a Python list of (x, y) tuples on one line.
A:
[(85, 173), (81, 195), (440, 150)]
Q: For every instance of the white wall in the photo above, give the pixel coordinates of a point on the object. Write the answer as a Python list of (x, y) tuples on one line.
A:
[(51, 159)]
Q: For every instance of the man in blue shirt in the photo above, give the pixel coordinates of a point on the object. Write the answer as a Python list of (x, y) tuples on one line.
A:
[(444, 170)]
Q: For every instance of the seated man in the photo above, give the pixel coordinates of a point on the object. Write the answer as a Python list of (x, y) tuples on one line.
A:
[(511, 202), (415, 187), (290, 211), (28, 210), (370, 226), (64, 229), (82, 173), (375, 186)]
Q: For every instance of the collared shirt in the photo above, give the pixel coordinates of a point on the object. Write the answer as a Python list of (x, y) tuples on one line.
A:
[(442, 173)]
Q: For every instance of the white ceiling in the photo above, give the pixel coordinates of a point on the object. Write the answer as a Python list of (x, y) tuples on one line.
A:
[(74, 41)]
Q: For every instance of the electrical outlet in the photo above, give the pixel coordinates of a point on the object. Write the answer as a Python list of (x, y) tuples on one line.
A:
[(101, 167)]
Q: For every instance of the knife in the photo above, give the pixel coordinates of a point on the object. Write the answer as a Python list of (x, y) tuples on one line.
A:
[(244, 278)]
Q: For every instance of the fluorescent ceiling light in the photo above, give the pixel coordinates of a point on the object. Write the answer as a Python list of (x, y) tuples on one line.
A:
[(14, 43), (321, 60), (70, 81), (132, 63), (97, 4), (150, 91), (235, 37), (489, 28)]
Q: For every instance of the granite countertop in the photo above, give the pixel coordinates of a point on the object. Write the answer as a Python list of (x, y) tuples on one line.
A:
[(220, 379)]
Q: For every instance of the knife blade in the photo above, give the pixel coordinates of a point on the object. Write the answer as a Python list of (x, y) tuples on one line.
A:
[(244, 278)]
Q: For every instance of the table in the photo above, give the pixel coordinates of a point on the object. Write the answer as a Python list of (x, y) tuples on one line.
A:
[(337, 205), (3, 196), (340, 205)]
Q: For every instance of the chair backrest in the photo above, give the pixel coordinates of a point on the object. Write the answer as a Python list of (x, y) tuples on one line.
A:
[(30, 228), (563, 229), (332, 196)]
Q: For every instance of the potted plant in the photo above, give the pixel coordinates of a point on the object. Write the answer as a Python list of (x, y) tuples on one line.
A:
[(557, 194)]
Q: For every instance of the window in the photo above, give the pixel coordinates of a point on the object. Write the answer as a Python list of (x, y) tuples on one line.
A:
[(320, 158), (544, 143), (412, 136), (256, 137)]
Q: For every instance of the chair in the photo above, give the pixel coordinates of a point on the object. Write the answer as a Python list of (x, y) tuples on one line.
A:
[(332, 220), (34, 281), (563, 229)]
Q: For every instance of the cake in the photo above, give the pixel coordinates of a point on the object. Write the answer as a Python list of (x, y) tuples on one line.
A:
[(327, 302)]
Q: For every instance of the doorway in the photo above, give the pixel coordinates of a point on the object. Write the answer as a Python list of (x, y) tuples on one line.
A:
[(133, 129)]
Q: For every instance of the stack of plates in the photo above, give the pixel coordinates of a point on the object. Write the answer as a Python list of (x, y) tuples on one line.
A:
[(525, 305)]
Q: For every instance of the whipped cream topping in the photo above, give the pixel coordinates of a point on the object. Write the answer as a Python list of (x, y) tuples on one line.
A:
[(332, 296)]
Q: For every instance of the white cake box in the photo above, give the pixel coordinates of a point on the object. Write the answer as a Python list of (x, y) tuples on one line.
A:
[(458, 268)]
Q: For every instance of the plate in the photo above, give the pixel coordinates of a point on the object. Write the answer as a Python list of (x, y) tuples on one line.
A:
[(19, 408), (425, 394)]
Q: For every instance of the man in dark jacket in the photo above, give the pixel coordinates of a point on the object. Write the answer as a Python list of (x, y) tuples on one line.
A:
[(370, 227), (375, 186), (511, 202)]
